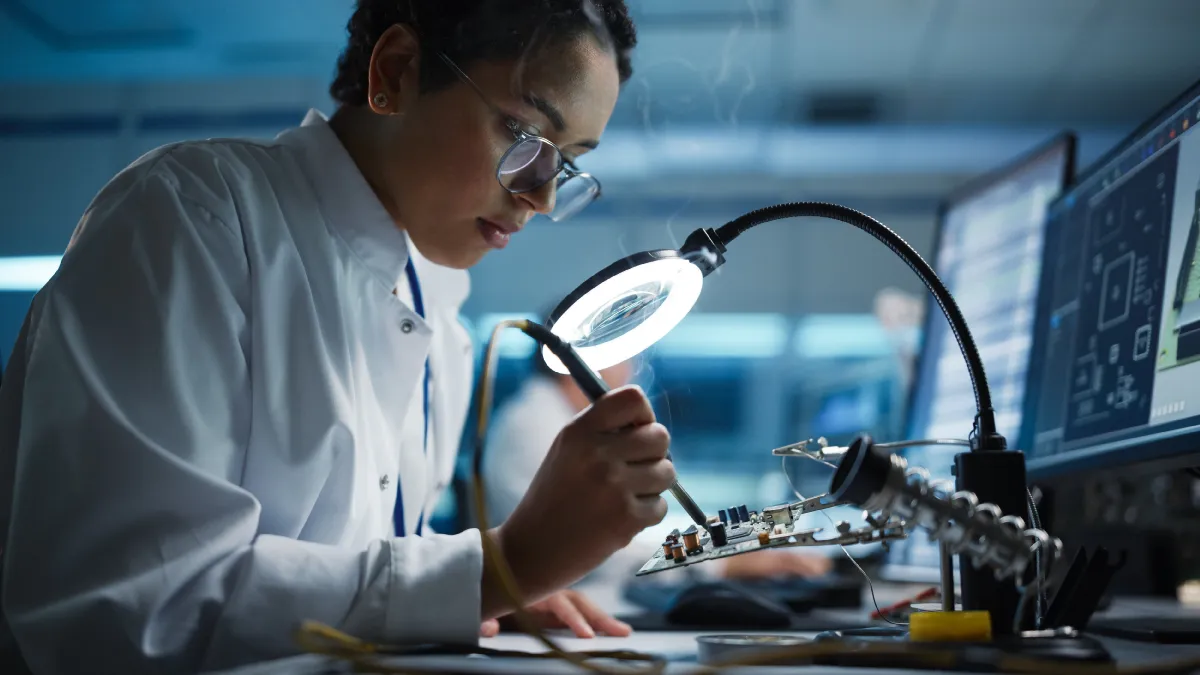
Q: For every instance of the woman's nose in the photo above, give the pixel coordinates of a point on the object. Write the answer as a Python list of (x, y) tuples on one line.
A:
[(542, 199)]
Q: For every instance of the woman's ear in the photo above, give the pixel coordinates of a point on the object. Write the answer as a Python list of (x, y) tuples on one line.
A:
[(393, 78)]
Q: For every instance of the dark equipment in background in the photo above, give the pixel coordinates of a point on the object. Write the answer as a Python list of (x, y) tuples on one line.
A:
[(1112, 411), (994, 227)]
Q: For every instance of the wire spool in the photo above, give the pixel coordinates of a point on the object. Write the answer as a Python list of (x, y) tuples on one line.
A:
[(715, 649)]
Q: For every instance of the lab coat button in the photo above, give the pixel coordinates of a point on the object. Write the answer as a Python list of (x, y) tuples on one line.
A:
[(384, 482), (406, 326)]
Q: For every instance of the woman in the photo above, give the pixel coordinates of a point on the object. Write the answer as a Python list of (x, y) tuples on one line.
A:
[(233, 405)]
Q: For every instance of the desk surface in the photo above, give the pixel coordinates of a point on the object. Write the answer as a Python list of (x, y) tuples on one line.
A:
[(680, 648)]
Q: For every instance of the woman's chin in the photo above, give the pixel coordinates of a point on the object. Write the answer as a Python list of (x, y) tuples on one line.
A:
[(459, 259), (458, 255)]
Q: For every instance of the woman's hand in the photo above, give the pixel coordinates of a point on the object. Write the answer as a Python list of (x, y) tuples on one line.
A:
[(600, 485), (567, 609)]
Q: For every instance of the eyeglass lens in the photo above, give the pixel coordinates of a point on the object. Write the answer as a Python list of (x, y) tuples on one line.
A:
[(532, 162), (529, 164), (574, 193)]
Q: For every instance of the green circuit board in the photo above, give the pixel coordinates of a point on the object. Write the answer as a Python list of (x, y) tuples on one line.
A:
[(778, 530)]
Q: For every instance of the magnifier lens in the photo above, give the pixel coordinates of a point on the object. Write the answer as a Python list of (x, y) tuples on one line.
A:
[(623, 314), (627, 308)]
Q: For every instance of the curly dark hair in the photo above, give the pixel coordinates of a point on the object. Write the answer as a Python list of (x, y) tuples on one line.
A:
[(471, 30)]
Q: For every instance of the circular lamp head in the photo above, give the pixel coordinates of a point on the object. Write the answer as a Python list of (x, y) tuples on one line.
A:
[(625, 308)]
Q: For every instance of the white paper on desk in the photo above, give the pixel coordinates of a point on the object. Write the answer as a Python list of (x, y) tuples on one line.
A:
[(517, 666), (666, 645)]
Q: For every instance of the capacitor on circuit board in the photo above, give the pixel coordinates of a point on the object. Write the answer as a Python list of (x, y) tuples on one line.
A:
[(734, 516), (744, 513), (717, 533), (723, 516)]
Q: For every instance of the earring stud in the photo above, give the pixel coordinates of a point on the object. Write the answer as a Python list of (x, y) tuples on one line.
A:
[(380, 100)]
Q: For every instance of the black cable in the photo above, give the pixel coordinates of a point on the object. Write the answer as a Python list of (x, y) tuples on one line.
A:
[(986, 436), (1040, 571), (587, 379)]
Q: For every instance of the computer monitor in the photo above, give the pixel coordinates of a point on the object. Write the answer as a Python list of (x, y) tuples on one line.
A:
[(1115, 371), (988, 252)]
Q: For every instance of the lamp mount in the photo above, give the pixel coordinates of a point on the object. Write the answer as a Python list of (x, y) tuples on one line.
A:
[(716, 242)]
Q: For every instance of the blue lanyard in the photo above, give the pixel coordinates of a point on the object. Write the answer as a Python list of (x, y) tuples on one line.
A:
[(414, 284)]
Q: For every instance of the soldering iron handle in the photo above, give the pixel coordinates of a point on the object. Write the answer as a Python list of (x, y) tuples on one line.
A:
[(685, 500), (587, 379), (580, 372), (595, 387)]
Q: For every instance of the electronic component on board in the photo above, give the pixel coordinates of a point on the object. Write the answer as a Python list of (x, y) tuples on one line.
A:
[(717, 533), (723, 515), (667, 545), (780, 515), (677, 553), (691, 540), (764, 538), (734, 516), (744, 513)]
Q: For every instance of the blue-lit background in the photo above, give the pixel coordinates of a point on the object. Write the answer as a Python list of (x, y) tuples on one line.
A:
[(882, 105)]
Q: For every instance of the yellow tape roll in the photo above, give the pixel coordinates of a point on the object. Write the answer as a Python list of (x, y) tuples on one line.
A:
[(973, 626)]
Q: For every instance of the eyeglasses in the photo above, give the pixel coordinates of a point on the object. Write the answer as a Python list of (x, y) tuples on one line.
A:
[(532, 161)]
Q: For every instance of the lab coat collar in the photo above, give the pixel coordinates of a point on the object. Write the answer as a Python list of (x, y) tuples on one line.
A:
[(347, 201), (355, 213)]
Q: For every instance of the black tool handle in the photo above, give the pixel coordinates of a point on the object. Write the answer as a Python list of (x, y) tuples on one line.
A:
[(595, 387)]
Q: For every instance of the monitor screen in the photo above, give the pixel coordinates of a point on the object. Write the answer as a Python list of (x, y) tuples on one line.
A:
[(1116, 353), (988, 252)]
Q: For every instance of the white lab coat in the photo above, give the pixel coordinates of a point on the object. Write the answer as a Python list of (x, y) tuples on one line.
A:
[(206, 413)]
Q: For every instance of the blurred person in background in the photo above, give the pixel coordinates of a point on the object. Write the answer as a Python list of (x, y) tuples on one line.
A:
[(902, 315), (232, 406), (521, 437)]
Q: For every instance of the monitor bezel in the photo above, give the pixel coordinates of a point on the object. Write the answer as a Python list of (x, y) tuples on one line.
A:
[(1065, 140), (1163, 450)]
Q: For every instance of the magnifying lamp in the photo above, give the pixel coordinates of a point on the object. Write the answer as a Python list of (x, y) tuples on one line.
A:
[(628, 306)]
